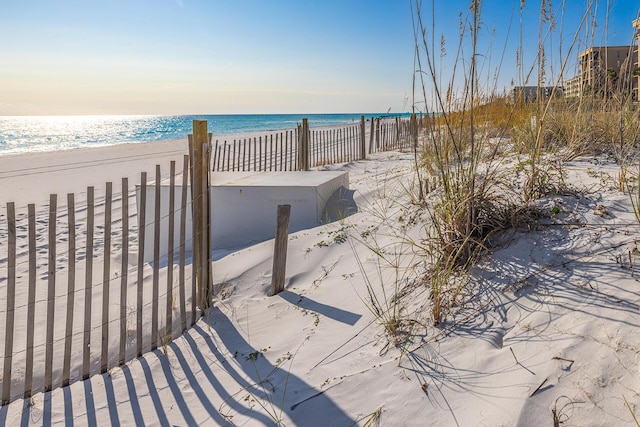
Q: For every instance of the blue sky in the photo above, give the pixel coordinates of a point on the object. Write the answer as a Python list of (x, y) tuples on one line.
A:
[(248, 56)]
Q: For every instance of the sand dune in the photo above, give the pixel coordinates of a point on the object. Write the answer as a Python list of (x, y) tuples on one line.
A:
[(547, 325)]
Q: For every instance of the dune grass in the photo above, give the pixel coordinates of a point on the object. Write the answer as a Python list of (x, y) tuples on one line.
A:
[(472, 131)]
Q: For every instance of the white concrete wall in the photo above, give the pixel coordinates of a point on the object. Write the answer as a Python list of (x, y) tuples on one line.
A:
[(244, 206)]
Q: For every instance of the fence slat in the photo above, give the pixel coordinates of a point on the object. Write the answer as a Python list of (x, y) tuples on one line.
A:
[(323, 141), (183, 232), (71, 289), (172, 202), (255, 154), (233, 167), (122, 353), (194, 242), (244, 153), (260, 155), (11, 302), (106, 279), (281, 150), (88, 284), (156, 262), (205, 234), (215, 157), (51, 292), (28, 376), (271, 153), (141, 236)]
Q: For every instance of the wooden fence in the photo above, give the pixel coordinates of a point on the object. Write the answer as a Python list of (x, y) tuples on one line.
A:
[(79, 298), (301, 148), (67, 331)]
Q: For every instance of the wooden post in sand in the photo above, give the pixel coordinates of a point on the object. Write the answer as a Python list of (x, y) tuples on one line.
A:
[(303, 145), (183, 235), (280, 250), (200, 211), (170, 249), (11, 302)]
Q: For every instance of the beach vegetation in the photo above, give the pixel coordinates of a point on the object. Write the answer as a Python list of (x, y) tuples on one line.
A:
[(388, 278), (475, 139), (370, 420)]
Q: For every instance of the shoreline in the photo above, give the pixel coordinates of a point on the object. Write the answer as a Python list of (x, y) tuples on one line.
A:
[(31, 177), (72, 170)]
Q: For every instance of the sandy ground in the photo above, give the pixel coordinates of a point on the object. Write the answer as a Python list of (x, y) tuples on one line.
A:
[(547, 326)]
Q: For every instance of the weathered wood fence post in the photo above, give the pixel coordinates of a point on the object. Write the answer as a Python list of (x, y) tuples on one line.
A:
[(200, 152), (280, 250), (11, 303), (303, 145)]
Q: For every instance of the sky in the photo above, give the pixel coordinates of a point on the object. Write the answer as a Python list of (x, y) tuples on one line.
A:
[(63, 57)]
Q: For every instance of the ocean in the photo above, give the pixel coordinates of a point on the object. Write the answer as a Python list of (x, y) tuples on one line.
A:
[(24, 134)]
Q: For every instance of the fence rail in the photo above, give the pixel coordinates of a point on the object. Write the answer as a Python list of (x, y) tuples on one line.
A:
[(76, 294)]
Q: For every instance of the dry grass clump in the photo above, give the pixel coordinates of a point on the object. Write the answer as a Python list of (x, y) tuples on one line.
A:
[(464, 147)]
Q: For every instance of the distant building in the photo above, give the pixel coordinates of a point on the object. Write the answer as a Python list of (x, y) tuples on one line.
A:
[(572, 87), (526, 94), (605, 70)]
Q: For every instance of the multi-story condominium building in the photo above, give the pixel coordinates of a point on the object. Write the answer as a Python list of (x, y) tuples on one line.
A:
[(572, 87), (607, 69), (603, 71), (528, 94)]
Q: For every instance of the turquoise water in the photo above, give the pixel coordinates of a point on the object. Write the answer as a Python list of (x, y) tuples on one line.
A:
[(23, 134)]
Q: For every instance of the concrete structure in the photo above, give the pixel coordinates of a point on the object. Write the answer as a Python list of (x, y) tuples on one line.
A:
[(244, 207)]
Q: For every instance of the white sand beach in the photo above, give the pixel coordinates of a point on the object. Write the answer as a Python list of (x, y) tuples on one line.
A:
[(547, 329)]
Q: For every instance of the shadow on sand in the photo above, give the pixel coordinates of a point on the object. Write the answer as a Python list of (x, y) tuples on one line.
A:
[(209, 376)]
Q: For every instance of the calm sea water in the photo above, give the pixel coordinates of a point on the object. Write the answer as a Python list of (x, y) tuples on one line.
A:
[(22, 134)]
